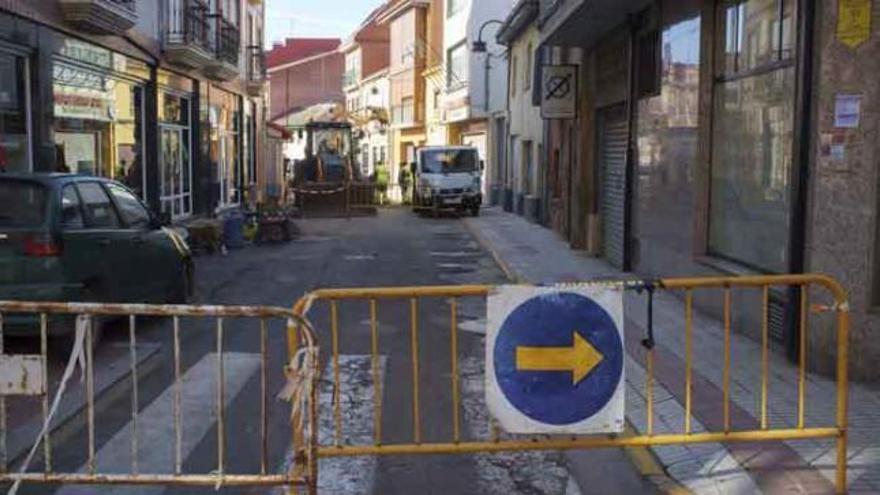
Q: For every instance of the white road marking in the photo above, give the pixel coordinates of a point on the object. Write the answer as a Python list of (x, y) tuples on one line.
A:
[(512, 472), (360, 257), (353, 475), (156, 426), (474, 326), (455, 254), (346, 475)]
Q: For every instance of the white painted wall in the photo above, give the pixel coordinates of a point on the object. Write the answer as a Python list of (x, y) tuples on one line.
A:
[(525, 118), (465, 25)]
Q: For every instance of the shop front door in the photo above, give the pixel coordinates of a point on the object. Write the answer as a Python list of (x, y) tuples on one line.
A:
[(176, 187)]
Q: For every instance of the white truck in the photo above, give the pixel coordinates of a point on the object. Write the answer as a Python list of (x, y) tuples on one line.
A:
[(447, 178)]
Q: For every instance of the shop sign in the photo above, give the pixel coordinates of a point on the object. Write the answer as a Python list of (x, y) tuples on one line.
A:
[(73, 106), (559, 89), (847, 111), (853, 22), (456, 114), (87, 52)]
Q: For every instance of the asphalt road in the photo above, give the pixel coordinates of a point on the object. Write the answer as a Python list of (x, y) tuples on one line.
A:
[(395, 248)]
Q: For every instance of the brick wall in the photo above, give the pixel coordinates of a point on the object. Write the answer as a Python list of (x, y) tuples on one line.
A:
[(306, 84)]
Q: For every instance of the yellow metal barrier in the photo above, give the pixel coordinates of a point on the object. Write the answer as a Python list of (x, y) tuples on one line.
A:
[(456, 444)]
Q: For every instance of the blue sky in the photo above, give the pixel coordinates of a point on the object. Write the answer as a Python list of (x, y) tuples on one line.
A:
[(314, 18)]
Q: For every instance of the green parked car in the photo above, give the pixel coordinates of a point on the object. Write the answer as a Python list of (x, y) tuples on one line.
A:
[(73, 238)]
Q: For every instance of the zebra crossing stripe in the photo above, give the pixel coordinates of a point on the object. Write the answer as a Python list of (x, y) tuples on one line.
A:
[(347, 475), (156, 428)]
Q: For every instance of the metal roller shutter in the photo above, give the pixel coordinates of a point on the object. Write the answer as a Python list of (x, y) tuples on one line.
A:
[(613, 141)]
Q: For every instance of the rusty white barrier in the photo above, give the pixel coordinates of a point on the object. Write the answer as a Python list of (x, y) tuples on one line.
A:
[(28, 375)]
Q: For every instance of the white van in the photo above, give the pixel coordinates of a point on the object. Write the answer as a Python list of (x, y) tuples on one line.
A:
[(447, 178)]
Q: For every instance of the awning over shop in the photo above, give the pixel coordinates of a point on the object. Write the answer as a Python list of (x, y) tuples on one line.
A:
[(584, 22)]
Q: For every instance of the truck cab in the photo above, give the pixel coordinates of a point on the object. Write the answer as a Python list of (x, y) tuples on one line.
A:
[(447, 178)]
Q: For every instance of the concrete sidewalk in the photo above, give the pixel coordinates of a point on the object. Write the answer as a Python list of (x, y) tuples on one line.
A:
[(533, 254)]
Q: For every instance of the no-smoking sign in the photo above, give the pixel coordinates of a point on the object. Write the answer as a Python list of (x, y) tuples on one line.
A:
[(559, 92)]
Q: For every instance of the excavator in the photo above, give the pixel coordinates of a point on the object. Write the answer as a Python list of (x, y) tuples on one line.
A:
[(327, 180)]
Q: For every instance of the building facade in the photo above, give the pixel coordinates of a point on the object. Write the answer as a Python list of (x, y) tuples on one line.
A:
[(476, 80), (166, 96), (518, 178), (725, 138), (304, 72), (367, 92), (407, 21)]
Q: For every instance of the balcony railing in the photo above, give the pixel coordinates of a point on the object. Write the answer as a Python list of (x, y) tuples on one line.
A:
[(188, 23), (256, 63), (403, 114), (227, 40), (112, 17), (256, 70)]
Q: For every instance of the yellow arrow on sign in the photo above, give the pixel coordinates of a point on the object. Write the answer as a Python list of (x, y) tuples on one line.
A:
[(580, 358)]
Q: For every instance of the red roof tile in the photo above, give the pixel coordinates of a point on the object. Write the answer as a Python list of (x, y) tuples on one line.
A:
[(295, 49)]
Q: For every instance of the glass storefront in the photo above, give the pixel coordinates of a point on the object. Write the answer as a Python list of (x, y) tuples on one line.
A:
[(98, 113), (753, 117), (175, 107), (224, 114), (14, 142), (667, 133)]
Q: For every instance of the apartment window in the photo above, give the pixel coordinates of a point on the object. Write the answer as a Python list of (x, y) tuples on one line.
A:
[(457, 75), (527, 165), (404, 113), (753, 117), (527, 70), (514, 70), (455, 6)]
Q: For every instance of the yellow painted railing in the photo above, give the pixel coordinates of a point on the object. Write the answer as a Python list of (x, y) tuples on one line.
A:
[(456, 444)]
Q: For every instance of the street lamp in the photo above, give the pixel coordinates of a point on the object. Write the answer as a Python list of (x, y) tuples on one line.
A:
[(480, 46)]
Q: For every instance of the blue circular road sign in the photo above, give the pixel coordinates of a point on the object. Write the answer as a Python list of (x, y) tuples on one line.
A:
[(558, 358)]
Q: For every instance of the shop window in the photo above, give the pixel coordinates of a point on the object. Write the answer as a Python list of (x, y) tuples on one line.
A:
[(98, 124), (14, 143), (99, 210), (753, 131), (757, 34)]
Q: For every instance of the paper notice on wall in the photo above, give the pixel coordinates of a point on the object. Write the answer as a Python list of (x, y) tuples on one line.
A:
[(847, 111), (853, 22)]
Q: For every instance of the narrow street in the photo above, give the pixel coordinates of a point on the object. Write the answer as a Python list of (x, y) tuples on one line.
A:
[(395, 248)]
